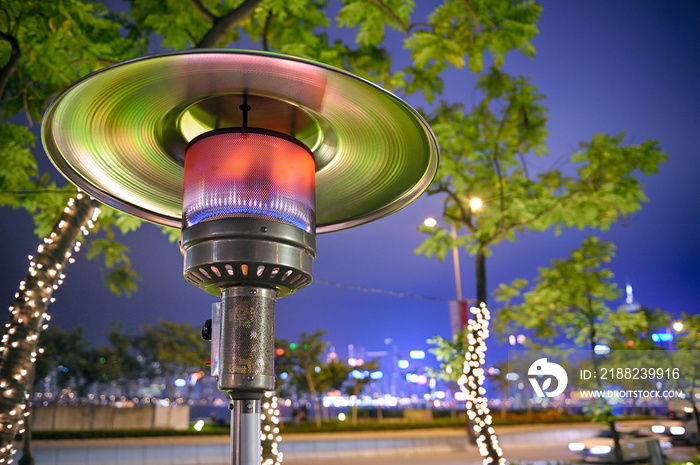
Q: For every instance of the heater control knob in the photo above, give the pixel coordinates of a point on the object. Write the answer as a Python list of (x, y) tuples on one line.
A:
[(206, 330)]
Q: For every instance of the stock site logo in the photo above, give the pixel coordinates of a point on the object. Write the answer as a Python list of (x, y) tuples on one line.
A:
[(546, 371)]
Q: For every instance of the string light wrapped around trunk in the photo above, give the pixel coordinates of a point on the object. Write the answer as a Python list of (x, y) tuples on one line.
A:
[(472, 384), (270, 435), (28, 317)]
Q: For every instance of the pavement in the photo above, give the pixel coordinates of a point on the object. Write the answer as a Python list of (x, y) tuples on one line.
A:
[(300, 448), (524, 444)]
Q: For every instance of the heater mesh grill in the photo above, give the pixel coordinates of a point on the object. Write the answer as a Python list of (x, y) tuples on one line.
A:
[(248, 323), (251, 174), (279, 276)]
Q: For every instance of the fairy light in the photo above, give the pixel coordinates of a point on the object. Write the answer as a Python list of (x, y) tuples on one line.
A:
[(269, 436), (19, 344), (472, 384)]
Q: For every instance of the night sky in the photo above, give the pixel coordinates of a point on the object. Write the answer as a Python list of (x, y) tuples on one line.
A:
[(604, 67)]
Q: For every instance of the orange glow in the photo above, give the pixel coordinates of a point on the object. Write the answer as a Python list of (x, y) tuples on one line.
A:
[(249, 174)]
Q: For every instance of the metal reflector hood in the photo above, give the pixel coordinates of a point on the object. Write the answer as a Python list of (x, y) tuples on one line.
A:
[(121, 133)]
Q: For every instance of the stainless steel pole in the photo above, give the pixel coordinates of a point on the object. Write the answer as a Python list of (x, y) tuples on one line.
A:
[(246, 363), (245, 432), (455, 262)]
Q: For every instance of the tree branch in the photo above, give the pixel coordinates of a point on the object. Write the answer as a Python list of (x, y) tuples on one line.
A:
[(266, 30), (224, 25), (392, 15), (496, 161), (475, 17), (569, 196), (465, 216), (473, 14), (208, 15), (417, 25), (11, 66)]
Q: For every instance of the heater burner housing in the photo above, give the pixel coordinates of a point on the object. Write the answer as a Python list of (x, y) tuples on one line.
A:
[(230, 252), (249, 173), (248, 211)]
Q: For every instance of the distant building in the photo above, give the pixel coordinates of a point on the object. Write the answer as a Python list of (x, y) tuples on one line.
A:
[(631, 305)]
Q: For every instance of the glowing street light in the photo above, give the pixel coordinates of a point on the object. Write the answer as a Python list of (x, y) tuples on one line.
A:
[(250, 154), (475, 203), (678, 326)]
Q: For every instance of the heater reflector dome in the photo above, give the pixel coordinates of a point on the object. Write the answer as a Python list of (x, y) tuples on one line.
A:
[(121, 133)]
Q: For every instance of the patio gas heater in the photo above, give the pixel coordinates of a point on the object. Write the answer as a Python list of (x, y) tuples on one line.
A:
[(251, 154)]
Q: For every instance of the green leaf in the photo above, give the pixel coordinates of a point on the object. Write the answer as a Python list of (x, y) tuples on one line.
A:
[(122, 280), (113, 253), (173, 234), (127, 223), (18, 164)]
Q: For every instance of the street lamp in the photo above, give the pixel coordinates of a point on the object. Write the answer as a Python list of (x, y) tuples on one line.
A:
[(250, 154), (475, 203), (678, 326)]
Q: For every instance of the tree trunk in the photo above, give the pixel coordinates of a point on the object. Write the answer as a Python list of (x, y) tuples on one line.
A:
[(28, 317), (27, 456), (616, 440), (223, 25), (317, 411), (10, 67), (481, 289), (608, 417), (314, 396), (477, 403), (485, 438), (690, 396), (696, 415)]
